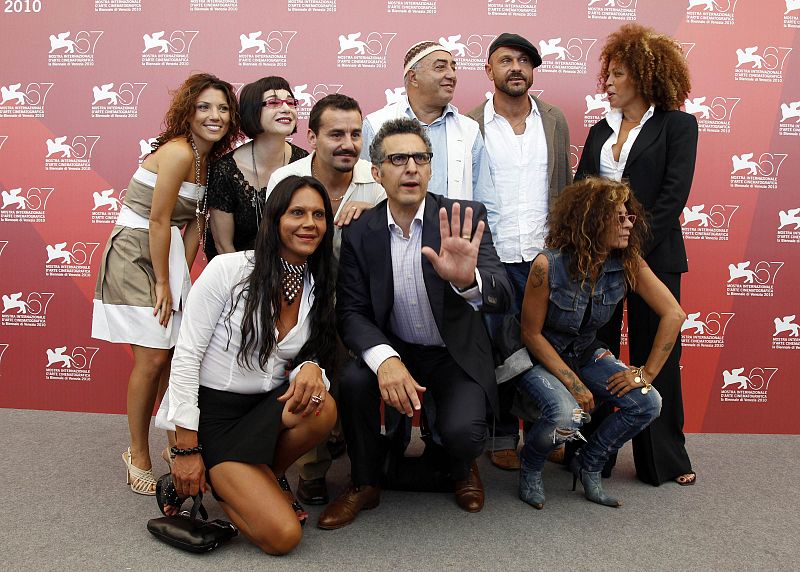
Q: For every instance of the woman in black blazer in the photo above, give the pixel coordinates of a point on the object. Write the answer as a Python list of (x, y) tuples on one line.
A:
[(646, 140)]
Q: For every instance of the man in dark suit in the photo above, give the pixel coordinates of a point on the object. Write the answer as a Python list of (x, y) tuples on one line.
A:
[(413, 283)]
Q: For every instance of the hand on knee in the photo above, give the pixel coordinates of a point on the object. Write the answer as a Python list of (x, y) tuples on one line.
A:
[(323, 416), (327, 415)]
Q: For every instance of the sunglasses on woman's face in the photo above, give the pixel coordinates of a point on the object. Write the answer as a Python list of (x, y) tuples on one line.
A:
[(275, 102), (631, 218)]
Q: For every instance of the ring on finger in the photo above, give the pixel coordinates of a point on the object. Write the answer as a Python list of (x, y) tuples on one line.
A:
[(465, 236), (316, 399)]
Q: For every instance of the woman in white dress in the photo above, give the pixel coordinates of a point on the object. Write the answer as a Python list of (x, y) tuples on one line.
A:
[(144, 273)]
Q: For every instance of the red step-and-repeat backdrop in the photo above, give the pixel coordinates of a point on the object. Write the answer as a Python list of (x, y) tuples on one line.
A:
[(85, 84)]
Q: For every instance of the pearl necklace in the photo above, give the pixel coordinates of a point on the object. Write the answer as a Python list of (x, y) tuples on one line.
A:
[(200, 213), (292, 279)]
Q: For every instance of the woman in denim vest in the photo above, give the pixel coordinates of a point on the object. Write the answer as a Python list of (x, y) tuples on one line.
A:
[(592, 258)]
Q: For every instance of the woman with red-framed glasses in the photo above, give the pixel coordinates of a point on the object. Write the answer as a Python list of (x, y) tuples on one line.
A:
[(237, 190)]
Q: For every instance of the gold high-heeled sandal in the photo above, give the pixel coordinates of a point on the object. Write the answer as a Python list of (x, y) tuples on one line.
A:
[(141, 482)]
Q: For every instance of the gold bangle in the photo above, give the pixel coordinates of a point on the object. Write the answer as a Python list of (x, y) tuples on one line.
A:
[(639, 378)]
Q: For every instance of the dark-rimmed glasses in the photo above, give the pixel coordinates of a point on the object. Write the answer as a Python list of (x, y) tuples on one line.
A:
[(276, 102), (400, 159), (629, 217)]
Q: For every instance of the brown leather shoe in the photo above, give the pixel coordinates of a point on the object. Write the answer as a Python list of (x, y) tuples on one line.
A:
[(344, 508), (506, 459), (469, 492)]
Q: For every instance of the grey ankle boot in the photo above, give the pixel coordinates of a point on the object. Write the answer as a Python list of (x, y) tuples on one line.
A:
[(531, 487), (592, 484)]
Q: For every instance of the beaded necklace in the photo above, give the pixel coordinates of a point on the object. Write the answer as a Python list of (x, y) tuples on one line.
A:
[(201, 213), (292, 279)]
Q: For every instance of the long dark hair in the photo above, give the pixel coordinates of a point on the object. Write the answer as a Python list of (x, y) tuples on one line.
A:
[(261, 290)]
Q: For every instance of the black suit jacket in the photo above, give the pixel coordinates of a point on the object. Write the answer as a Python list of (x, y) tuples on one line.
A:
[(365, 290), (659, 169)]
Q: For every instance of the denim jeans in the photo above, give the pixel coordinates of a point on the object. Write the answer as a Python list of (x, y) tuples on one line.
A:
[(556, 424)]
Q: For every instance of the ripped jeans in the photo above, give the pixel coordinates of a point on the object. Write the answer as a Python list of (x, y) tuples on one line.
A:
[(556, 423)]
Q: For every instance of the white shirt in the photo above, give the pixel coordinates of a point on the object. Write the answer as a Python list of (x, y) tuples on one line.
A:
[(518, 164), (610, 168), (362, 188), (412, 318), (460, 165), (206, 352)]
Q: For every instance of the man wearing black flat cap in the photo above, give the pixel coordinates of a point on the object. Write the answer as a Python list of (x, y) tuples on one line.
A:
[(527, 141)]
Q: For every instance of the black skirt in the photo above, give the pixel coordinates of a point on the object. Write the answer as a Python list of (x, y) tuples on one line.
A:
[(239, 427)]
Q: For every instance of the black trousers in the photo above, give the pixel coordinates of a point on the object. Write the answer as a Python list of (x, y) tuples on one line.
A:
[(460, 411), (659, 452)]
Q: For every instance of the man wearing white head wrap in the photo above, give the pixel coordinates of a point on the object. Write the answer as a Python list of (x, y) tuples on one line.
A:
[(460, 165)]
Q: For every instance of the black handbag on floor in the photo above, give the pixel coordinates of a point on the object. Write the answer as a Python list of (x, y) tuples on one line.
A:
[(186, 531)]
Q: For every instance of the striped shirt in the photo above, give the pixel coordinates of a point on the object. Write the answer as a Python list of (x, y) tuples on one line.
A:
[(412, 317)]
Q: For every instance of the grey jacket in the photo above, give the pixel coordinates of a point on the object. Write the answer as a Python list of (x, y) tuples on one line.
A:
[(556, 133)]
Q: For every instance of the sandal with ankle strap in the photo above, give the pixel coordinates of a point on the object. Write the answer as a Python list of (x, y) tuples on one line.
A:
[(301, 513), (141, 481)]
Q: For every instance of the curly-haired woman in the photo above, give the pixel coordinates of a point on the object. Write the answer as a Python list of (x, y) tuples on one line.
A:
[(144, 273), (646, 140), (591, 259)]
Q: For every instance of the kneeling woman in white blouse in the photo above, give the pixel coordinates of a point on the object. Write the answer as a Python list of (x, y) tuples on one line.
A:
[(248, 385)]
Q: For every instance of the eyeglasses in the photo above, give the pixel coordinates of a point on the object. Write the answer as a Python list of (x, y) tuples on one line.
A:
[(274, 102), (631, 218), (400, 159)]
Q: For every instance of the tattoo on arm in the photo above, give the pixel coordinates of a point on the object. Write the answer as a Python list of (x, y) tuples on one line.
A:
[(575, 383), (667, 348), (536, 277)]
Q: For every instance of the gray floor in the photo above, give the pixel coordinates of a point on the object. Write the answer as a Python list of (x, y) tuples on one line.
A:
[(64, 505)]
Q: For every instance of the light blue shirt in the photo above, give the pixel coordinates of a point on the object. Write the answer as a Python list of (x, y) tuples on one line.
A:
[(412, 318), (482, 184)]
